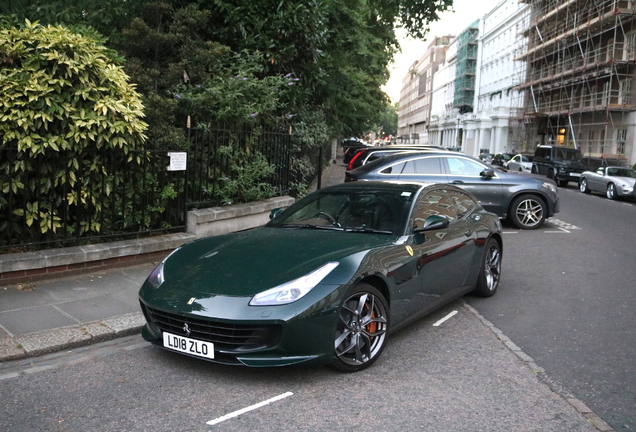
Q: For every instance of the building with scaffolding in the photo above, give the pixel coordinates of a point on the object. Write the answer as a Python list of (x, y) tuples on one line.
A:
[(454, 90), (575, 77), (415, 94)]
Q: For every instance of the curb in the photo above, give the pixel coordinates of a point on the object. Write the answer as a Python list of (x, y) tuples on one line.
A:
[(35, 344), (590, 416)]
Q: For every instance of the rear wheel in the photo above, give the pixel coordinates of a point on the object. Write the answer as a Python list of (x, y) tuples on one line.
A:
[(490, 272), (361, 331), (527, 212), (583, 186), (611, 191), (563, 183)]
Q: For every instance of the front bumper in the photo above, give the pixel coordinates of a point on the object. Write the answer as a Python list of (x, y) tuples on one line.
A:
[(300, 332)]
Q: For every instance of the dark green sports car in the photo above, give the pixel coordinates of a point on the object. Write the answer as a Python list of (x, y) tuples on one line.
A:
[(327, 279)]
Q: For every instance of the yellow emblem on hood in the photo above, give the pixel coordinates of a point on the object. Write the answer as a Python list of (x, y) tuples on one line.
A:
[(409, 250)]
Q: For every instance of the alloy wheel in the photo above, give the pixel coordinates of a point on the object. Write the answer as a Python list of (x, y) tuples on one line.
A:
[(361, 330), (492, 266), (529, 213)]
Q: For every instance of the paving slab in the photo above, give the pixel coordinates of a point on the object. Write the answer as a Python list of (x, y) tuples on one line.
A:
[(95, 308), (34, 319)]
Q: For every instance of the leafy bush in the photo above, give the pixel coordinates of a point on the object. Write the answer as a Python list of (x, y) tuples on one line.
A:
[(64, 101)]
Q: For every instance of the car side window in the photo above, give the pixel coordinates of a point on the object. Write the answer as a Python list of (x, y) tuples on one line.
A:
[(464, 203), (436, 202), (462, 166), (600, 170), (429, 165), (398, 168)]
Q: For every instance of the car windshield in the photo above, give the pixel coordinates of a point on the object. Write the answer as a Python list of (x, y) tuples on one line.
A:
[(380, 211), (567, 154), (621, 172)]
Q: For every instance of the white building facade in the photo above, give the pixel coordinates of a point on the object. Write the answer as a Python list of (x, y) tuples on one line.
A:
[(497, 75)]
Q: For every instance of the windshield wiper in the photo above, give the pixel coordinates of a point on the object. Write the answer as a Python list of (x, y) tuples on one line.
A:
[(310, 226), (367, 230)]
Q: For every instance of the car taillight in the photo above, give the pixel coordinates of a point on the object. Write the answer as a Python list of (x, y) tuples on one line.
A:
[(353, 159)]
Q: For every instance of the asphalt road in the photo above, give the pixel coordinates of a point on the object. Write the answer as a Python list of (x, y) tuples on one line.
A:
[(457, 376), (567, 299)]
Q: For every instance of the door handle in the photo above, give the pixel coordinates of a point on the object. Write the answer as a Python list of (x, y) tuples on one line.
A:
[(457, 182)]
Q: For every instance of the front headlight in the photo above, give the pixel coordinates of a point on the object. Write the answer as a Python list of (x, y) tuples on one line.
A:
[(156, 276), (549, 186), (291, 291)]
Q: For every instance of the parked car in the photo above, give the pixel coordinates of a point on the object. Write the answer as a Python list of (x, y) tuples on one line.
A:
[(521, 163), (486, 157), (615, 182), (561, 164), (501, 159), (351, 146), (525, 200), (591, 163), (369, 154), (326, 280)]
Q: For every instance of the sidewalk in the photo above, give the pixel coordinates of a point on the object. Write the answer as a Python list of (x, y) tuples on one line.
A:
[(67, 312)]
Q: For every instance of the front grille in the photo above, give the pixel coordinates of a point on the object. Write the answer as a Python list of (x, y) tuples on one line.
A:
[(225, 336)]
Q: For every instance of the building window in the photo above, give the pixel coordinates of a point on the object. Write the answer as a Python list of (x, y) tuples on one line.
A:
[(621, 139)]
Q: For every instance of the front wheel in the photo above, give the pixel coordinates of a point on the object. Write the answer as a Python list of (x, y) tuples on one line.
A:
[(611, 191), (361, 331), (583, 187), (490, 272), (527, 212)]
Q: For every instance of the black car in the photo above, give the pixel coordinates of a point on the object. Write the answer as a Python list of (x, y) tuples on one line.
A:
[(523, 199), (561, 164), (502, 159), (366, 155)]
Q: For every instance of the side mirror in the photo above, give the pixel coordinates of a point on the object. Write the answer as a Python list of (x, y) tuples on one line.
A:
[(488, 173), (275, 212), (433, 222)]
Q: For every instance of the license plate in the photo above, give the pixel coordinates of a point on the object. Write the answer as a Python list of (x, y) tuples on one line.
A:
[(575, 175), (189, 346)]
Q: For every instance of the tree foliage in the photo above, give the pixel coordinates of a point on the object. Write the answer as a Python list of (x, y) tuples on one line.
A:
[(61, 93)]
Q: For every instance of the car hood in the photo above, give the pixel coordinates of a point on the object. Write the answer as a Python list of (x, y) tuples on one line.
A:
[(249, 262), (627, 180)]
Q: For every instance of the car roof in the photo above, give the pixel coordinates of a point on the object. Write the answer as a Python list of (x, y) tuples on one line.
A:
[(387, 160)]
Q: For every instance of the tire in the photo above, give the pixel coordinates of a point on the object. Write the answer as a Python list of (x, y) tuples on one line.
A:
[(552, 175), (527, 212), (490, 272), (533, 170), (583, 186), (611, 191), (362, 329), (563, 183)]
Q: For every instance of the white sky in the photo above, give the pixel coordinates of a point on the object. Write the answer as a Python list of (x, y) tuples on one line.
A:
[(465, 12)]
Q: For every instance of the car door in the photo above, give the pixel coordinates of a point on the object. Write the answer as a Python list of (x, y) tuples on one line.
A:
[(515, 163), (467, 174), (596, 180), (441, 257)]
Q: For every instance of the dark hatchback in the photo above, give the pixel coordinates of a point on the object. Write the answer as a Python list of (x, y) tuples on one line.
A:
[(521, 198)]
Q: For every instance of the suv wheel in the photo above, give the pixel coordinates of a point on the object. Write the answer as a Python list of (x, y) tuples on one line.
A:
[(527, 212)]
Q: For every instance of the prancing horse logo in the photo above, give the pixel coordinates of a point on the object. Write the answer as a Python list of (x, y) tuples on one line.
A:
[(186, 329)]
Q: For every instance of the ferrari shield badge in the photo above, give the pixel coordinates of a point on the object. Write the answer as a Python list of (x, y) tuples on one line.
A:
[(192, 299), (409, 249)]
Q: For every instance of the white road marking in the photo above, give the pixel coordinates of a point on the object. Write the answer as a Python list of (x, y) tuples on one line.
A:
[(447, 317), (249, 408)]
